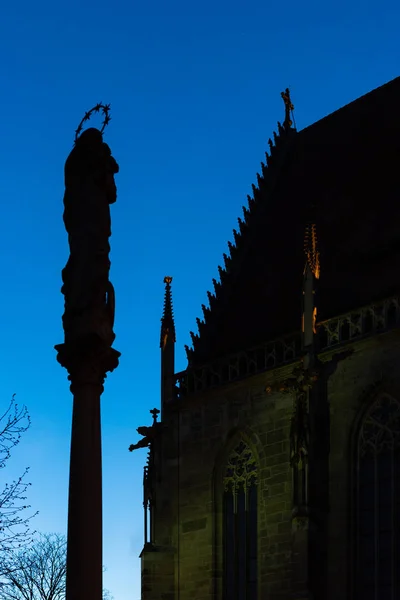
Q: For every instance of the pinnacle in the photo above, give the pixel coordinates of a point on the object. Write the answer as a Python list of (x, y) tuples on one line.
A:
[(167, 320)]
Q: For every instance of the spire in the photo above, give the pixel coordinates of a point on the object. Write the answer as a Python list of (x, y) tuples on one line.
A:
[(289, 108), (311, 249), (311, 275), (167, 345), (167, 321)]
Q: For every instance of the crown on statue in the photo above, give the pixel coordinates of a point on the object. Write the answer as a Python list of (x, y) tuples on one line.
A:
[(99, 108)]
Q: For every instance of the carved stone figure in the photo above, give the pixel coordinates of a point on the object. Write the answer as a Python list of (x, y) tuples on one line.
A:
[(89, 191), (149, 435)]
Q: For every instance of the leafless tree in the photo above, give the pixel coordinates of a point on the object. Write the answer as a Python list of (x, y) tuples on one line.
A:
[(14, 524), (38, 572)]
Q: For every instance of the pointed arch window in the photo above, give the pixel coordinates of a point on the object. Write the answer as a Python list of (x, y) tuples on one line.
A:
[(240, 525), (378, 503)]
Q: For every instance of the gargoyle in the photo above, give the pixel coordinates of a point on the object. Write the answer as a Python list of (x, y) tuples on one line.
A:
[(144, 443), (148, 434)]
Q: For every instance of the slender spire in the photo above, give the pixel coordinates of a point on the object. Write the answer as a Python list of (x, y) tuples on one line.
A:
[(311, 275), (311, 249), (167, 321), (167, 345)]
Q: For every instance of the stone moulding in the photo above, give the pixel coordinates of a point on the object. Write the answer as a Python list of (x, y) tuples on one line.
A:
[(333, 333)]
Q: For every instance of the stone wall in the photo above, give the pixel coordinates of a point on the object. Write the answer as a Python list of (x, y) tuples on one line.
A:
[(188, 517), (372, 369)]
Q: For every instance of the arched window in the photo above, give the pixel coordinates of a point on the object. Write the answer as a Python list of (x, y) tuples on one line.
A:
[(240, 525), (378, 503)]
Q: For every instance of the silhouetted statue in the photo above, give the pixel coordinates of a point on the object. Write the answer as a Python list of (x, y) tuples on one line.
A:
[(89, 191)]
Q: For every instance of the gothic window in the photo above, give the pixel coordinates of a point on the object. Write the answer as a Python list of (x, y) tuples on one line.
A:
[(378, 503), (240, 525)]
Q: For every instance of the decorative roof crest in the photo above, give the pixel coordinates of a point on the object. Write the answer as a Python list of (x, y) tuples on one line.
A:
[(266, 180)]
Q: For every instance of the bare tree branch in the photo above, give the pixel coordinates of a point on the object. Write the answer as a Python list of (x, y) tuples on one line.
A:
[(37, 572), (14, 524)]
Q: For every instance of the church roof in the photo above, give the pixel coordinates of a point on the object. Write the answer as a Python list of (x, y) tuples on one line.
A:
[(346, 167)]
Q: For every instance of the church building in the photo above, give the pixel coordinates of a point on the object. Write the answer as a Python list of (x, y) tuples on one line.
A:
[(273, 469)]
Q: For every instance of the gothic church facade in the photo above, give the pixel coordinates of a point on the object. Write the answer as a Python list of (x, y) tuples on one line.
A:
[(274, 470)]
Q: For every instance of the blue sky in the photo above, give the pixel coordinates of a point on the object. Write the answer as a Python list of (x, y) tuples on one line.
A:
[(195, 95)]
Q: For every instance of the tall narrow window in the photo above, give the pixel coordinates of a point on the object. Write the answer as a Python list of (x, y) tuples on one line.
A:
[(240, 525), (378, 503)]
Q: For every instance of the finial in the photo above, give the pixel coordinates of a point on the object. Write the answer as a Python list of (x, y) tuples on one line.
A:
[(271, 146), (216, 285), (227, 261), (167, 320), (250, 201), (289, 108), (242, 226), (211, 298), (236, 237), (221, 273), (206, 311), (189, 353), (155, 412), (194, 338)]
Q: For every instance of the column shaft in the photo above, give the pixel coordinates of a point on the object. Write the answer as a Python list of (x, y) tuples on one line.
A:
[(84, 555)]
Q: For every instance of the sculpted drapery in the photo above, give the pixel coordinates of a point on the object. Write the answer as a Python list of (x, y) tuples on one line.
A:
[(89, 191)]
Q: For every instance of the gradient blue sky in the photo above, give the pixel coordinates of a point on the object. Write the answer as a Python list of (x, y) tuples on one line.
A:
[(195, 94)]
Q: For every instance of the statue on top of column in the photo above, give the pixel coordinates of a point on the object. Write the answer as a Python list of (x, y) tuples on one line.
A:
[(89, 191)]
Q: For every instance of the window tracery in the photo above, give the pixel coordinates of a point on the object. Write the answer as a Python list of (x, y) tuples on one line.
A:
[(240, 524), (378, 502), (241, 469)]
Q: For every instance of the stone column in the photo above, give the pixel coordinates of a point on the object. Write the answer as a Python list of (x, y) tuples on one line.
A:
[(86, 352), (84, 548)]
